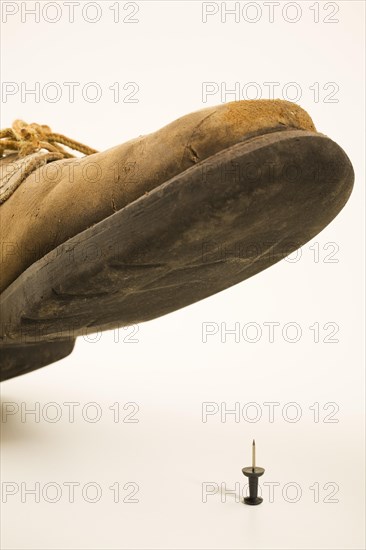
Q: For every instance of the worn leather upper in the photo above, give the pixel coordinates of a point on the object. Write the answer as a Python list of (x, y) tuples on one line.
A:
[(64, 197)]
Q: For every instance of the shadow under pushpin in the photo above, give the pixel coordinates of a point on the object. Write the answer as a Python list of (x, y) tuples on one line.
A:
[(253, 473)]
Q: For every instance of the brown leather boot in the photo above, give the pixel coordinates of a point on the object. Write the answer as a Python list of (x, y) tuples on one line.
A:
[(155, 224)]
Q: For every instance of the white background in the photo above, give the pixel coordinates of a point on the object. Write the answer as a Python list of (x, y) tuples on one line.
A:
[(170, 372)]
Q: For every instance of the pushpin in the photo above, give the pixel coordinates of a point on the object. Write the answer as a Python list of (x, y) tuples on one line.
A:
[(253, 472)]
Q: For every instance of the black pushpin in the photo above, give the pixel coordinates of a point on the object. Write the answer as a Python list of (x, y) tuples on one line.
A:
[(253, 472)]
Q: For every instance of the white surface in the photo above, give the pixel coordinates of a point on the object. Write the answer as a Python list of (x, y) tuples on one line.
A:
[(169, 372)]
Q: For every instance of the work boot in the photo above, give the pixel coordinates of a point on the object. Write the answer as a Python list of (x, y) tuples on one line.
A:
[(119, 237)]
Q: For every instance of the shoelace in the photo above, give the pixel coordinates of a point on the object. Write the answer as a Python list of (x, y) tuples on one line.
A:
[(26, 138)]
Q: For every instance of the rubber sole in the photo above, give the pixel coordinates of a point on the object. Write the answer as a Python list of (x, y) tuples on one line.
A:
[(214, 225)]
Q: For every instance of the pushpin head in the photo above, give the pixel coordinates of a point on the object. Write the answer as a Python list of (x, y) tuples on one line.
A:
[(253, 473)]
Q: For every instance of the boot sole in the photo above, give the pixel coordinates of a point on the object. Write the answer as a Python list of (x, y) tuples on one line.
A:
[(212, 226), (23, 358)]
